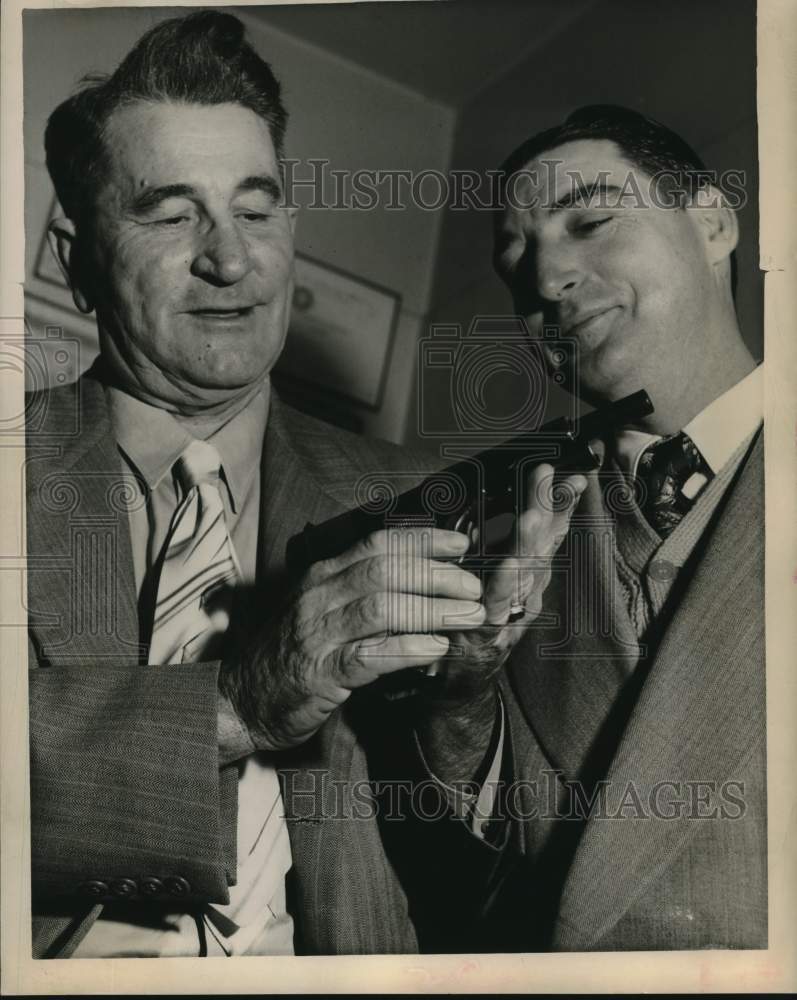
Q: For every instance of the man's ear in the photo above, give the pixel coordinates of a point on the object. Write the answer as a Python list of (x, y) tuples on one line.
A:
[(717, 223), (62, 237)]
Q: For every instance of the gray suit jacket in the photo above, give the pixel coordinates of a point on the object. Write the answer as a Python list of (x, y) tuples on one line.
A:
[(125, 783), (670, 863)]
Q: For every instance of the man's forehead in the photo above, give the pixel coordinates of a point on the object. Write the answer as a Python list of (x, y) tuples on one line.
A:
[(148, 137), (561, 171)]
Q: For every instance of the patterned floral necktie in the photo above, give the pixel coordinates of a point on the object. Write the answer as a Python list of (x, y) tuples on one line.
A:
[(673, 472), (193, 603)]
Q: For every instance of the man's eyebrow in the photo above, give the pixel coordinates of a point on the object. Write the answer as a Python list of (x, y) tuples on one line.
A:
[(152, 197), (581, 193), (262, 182)]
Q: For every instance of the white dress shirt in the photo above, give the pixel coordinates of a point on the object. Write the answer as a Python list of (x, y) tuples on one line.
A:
[(718, 430)]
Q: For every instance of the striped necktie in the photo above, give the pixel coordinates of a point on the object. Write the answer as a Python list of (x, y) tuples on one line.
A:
[(192, 610), (674, 473), (193, 602)]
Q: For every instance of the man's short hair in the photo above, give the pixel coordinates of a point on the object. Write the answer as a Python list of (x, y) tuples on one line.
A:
[(647, 144), (644, 142), (200, 59)]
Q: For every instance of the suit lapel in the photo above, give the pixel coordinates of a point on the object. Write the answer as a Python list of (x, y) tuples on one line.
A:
[(569, 668), (291, 492), (308, 474), (290, 497), (699, 717), (81, 590)]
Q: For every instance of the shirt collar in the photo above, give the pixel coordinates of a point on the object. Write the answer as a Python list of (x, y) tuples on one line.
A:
[(729, 420), (152, 440), (240, 444), (718, 430)]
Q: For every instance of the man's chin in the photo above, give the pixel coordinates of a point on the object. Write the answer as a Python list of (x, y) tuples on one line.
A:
[(605, 374), (196, 389), (225, 370), (213, 388), (589, 365)]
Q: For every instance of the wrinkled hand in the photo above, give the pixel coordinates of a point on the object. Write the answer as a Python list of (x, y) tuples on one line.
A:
[(455, 718), (518, 581), (384, 605)]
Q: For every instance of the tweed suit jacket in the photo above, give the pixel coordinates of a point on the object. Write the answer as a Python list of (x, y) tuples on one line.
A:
[(674, 856), (125, 782)]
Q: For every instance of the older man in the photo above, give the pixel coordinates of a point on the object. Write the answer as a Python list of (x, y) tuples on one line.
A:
[(182, 669), (636, 702)]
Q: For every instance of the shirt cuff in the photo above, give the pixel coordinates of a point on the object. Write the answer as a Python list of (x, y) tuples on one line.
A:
[(474, 801), (233, 736)]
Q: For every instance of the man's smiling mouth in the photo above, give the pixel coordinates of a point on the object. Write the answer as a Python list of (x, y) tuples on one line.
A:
[(236, 312), (584, 322)]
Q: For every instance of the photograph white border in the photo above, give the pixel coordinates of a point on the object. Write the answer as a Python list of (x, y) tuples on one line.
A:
[(774, 969)]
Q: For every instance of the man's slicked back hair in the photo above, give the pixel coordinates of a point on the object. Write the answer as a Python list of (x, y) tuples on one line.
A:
[(644, 142), (203, 58)]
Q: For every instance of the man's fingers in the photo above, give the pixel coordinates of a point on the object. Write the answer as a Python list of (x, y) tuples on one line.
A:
[(424, 543), (383, 612), (541, 530), (551, 503), (537, 482), (551, 492), (396, 574), (509, 584), (570, 489), (360, 662)]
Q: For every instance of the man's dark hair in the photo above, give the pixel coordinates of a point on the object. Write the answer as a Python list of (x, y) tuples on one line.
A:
[(644, 142), (201, 59)]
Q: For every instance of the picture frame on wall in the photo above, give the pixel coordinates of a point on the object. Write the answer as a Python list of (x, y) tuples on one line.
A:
[(341, 334)]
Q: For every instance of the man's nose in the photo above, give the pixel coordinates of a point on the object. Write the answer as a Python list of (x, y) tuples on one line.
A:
[(223, 257), (558, 274)]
